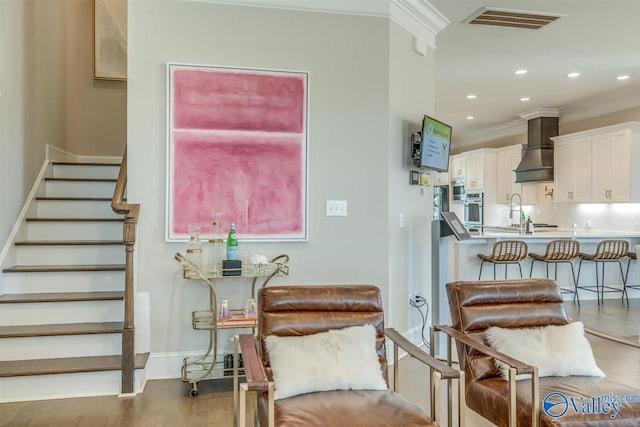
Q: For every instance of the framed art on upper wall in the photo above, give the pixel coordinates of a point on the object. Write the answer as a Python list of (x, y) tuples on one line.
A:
[(110, 39), (237, 145)]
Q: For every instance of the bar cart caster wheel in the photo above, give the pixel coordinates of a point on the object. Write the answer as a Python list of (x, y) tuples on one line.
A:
[(194, 391)]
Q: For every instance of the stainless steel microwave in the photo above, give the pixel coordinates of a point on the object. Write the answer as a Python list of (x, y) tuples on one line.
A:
[(457, 190)]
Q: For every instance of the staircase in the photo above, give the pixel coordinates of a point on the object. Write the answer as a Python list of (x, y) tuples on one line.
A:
[(61, 313)]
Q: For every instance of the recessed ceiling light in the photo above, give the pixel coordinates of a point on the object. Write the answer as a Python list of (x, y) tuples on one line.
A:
[(472, 96), (470, 117), (573, 75), (524, 99), (519, 72), (623, 77)]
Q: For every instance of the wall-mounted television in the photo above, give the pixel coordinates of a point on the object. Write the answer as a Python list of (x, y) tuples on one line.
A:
[(435, 144)]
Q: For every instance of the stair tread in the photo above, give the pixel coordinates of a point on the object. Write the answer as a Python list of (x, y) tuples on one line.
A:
[(61, 297), (59, 268), (68, 242), (19, 331), (76, 199), (67, 365), (85, 164), (118, 219), (83, 179)]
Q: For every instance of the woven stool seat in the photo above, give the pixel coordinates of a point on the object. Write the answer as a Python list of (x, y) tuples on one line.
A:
[(559, 251), (606, 251), (505, 252)]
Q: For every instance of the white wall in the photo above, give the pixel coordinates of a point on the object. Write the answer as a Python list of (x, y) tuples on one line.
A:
[(411, 95), (349, 143), (12, 146)]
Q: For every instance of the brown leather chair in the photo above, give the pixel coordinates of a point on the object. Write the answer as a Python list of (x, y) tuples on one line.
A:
[(528, 303), (304, 310)]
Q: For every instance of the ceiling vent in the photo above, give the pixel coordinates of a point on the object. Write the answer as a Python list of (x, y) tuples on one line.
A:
[(511, 18)]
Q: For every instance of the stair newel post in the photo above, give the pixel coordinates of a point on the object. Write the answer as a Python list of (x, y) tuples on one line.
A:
[(131, 213), (128, 330)]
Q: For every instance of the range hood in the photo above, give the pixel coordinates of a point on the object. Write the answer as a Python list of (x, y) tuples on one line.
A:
[(537, 163)]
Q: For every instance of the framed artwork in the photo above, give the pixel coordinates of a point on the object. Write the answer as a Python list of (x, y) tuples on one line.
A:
[(237, 146), (110, 39)]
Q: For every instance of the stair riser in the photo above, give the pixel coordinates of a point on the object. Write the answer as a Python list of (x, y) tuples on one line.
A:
[(43, 387), (46, 230), (75, 209), (79, 189), (70, 255), (60, 346), (60, 312), (73, 281), (66, 171)]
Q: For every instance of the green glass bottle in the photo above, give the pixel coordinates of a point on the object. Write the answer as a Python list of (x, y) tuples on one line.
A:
[(232, 243)]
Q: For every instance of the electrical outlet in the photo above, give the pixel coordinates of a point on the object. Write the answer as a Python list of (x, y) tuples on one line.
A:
[(416, 299), (336, 208)]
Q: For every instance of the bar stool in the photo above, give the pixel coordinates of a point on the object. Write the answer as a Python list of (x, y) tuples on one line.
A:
[(632, 257), (560, 251), (505, 252), (606, 251)]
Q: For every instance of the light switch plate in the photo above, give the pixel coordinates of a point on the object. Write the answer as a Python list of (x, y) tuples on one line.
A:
[(336, 208)]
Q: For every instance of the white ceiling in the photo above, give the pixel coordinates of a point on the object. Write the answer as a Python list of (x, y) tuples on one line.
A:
[(598, 38)]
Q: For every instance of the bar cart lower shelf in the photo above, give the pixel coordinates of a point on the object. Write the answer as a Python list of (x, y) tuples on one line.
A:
[(207, 366)]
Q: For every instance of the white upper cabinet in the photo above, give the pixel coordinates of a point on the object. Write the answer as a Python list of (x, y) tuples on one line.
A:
[(508, 159), (611, 165), (474, 171), (477, 169), (457, 166), (439, 178), (572, 170), (598, 165)]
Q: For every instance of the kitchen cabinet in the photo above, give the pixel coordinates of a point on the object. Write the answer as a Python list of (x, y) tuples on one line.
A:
[(477, 169), (457, 166), (508, 158), (474, 171), (598, 165), (470, 167), (572, 169), (439, 178), (611, 165)]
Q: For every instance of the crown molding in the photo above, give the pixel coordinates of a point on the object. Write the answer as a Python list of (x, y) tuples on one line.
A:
[(514, 127), (611, 102), (418, 17), (540, 112)]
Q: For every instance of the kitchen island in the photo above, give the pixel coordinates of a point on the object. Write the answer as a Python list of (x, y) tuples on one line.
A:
[(465, 265)]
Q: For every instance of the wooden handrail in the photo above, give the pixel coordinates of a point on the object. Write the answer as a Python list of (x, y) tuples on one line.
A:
[(131, 213), (117, 202)]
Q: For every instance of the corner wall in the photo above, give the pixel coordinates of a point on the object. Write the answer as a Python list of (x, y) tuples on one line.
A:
[(12, 114), (348, 61), (411, 96)]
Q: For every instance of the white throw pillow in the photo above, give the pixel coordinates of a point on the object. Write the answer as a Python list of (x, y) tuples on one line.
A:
[(557, 351), (334, 360)]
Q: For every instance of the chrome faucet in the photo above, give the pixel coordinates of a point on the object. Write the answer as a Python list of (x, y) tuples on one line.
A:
[(511, 210)]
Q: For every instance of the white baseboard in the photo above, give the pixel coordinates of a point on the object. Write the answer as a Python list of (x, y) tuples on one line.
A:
[(23, 212), (56, 154), (161, 366)]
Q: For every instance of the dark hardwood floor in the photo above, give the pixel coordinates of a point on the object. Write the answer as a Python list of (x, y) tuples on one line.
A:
[(167, 402)]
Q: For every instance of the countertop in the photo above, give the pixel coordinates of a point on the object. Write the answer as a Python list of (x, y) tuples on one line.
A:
[(557, 234)]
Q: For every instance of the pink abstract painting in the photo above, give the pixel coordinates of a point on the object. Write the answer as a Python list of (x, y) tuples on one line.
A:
[(237, 144)]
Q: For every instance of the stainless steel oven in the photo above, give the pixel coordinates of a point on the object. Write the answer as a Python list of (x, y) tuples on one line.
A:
[(457, 190), (473, 214)]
